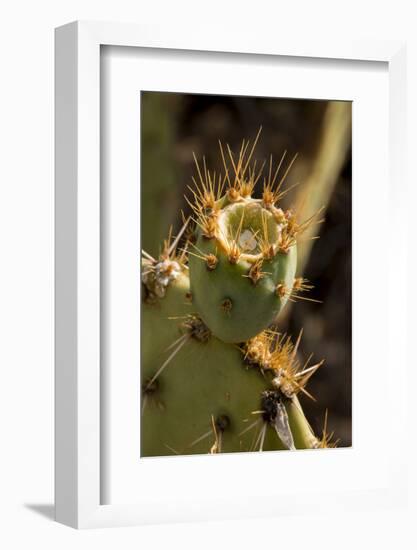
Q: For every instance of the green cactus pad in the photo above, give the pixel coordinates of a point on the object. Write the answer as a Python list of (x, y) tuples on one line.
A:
[(206, 381), (251, 233)]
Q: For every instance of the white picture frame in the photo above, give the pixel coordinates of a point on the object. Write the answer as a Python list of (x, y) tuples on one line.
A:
[(78, 404)]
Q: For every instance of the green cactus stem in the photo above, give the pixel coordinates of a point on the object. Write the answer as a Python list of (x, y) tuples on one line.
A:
[(158, 167)]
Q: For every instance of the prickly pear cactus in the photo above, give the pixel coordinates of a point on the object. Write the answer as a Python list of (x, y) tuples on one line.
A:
[(216, 375)]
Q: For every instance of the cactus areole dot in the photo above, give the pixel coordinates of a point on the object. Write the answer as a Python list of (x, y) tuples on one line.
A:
[(245, 238)]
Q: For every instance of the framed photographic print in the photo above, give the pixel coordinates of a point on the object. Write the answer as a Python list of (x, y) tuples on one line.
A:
[(220, 338)]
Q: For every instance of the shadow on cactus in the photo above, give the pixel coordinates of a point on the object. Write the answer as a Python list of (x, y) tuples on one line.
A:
[(217, 374)]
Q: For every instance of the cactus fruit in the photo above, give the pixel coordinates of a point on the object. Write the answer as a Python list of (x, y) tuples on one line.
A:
[(243, 261), (216, 375)]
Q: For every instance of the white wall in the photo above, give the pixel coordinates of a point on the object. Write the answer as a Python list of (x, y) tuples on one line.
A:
[(26, 267)]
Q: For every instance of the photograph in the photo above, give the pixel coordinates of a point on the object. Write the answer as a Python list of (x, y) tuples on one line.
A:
[(245, 274), (208, 244)]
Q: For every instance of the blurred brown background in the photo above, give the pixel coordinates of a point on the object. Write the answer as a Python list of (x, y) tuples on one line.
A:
[(176, 125)]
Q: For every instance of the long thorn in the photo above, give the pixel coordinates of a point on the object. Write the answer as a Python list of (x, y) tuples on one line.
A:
[(204, 436), (186, 337), (178, 237), (148, 256)]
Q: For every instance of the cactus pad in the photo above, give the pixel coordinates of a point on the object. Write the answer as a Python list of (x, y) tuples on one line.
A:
[(202, 395), (244, 253), (237, 274)]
